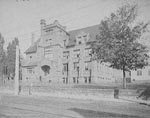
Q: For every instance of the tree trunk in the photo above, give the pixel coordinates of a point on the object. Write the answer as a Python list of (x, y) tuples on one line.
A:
[(124, 78)]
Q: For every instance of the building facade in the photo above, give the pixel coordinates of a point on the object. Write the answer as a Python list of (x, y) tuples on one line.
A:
[(65, 57), (141, 75)]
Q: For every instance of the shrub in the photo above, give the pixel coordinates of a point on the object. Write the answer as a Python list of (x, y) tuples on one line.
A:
[(145, 94)]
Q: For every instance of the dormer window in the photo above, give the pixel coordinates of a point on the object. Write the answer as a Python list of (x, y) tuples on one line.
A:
[(82, 38), (48, 41), (79, 40), (85, 38), (61, 32)]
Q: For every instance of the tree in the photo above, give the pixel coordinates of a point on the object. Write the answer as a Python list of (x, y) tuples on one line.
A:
[(11, 57), (2, 55), (117, 41)]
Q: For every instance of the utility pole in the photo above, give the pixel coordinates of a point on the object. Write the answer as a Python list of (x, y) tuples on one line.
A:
[(17, 71)]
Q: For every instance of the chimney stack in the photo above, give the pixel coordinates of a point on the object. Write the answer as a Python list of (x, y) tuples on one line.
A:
[(56, 22), (43, 22)]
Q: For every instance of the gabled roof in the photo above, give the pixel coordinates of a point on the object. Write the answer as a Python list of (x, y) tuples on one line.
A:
[(32, 48), (92, 30)]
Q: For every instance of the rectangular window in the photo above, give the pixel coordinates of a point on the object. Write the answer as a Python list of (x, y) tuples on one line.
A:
[(74, 80), (76, 53), (87, 52), (49, 41), (76, 65), (85, 38), (85, 78), (64, 42), (139, 73), (65, 67), (86, 66), (66, 55), (30, 70), (79, 40), (48, 54)]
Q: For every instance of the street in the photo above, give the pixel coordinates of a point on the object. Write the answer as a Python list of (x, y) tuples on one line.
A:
[(49, 107)]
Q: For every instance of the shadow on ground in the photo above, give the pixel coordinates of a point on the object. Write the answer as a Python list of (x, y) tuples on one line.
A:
[(98, 114), (145, 94)]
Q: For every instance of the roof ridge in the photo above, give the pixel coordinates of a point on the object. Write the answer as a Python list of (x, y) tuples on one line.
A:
[(84, 27)]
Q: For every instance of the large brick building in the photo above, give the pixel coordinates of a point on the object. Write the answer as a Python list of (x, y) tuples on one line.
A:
[(65, 57)]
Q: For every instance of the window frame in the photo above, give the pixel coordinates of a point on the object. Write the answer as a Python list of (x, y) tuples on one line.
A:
[(48, 54), (30, 70), (66, 54), (87, 52), (76, 53), (139, 72)]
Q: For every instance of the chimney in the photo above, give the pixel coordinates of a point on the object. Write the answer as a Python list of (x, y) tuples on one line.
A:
[(43, 22), (56, 22)]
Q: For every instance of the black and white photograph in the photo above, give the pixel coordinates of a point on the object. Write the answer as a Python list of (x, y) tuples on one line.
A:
[(74, 58)]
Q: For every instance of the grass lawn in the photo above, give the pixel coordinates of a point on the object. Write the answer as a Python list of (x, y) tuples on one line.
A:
[(138, 85), (134, 86)]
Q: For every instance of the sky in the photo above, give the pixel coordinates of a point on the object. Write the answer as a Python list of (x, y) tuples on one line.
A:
[(21, 18)]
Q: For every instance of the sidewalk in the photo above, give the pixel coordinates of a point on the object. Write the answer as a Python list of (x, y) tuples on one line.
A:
[(60, 113)]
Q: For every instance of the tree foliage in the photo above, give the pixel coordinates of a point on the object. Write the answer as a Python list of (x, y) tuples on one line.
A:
[(2, 54), (11, 56), (117, 40)]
